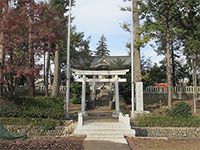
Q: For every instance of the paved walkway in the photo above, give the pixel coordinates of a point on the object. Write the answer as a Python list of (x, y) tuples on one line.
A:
[(105, 145)]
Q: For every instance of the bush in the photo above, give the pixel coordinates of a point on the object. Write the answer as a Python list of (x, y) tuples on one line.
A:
[(75, 100), (43, 107), (179, 115), (15, 121), (46, 124), (164, 111), (9, 110), (152, 120), (182, 110), (76, 89), (37, 107)]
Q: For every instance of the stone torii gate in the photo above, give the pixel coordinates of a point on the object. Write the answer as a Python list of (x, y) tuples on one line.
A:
[(114, 74)]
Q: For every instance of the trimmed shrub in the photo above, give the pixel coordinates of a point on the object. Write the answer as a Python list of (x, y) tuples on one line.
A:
[(46, 124), (37, 107), (9, 110), (164, 111), (166, 121), (43, 107), (182, 110), (15, 121)]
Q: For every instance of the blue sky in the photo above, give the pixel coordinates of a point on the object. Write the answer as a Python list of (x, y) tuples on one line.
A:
[(97, 17)]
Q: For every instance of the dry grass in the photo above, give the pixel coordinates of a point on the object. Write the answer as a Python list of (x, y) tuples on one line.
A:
[(156, 144), (53, 143)]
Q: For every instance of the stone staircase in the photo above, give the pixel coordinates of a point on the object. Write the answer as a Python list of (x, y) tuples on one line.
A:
[(99, 117), (104, 129)]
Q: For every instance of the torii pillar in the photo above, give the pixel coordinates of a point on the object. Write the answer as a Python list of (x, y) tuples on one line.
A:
[(117, 107), (83, 94)]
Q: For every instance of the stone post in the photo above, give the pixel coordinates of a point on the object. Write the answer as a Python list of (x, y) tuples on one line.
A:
[(139, 97), (117, 94), (83, 94)]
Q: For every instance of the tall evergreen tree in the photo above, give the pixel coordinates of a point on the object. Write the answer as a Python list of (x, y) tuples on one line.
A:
[(137, 42), (102, 48), (60, 7), (160, 16)]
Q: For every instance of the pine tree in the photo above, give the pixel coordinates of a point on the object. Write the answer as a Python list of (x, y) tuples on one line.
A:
[(102, 48)]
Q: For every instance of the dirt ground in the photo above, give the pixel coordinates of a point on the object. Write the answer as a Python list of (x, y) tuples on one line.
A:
[(61, 143), (170, 144), (76, 143)]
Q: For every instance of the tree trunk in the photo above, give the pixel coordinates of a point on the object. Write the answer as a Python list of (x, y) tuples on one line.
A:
[(44, 69), (169, 78), (173, 65), (1, 66), (4, 10), (11, 80), (194, 75), (47, 73), (137, 61), (31, 62), (56, 78)]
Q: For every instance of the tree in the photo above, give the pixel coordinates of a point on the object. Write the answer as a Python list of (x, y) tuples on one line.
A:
[(189, 33), (139, 39), (3, 11), (56, 80), (118, 64), (28, 28), (80, 50), (47, 71), (160, 17), (60, 8), (31, 60), (102, 48), (154, 73), (137, 42)]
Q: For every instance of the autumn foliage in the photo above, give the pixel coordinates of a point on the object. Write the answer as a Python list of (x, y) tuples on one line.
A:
[(27, 30)]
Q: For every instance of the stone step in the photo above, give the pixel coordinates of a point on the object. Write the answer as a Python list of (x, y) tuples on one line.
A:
[(99, 113), (105, 132), (105, 127), (100, 119), (90, 120), (104, 136), (110, 139)]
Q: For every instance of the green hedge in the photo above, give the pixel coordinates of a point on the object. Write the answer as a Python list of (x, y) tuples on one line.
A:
[(182, 110), (152, 120), (180, 115), (47, 124), (37, 107)]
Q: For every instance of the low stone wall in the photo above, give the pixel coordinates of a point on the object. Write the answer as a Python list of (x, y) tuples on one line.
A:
[(168, 132), (39, 131)]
